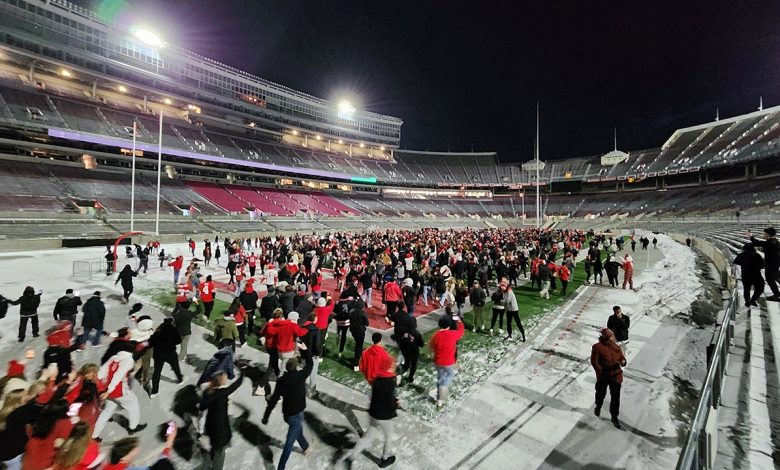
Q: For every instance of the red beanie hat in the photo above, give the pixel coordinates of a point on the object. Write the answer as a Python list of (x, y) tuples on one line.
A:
[(15, 369)]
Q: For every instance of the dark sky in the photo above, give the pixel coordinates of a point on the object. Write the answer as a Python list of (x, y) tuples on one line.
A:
[(467, 75)]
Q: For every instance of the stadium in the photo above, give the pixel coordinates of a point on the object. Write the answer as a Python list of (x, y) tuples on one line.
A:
[(112, 137)]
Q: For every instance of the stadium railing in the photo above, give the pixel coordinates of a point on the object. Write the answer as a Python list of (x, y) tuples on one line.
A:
[(700, 447)]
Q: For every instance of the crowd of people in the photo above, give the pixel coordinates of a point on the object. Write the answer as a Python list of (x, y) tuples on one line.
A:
[(455, 270)]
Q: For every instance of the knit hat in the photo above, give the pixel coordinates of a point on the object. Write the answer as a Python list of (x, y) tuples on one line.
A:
[(408, 282), (293, 316), (15, 369), (606, 333), (60, 337), (321, 302)]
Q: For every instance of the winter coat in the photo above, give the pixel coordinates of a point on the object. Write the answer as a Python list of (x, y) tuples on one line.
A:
[(310, 340), (66, 307), (607, 359), (284, 333), (165, 339), (248, 299), (126, 278), (94, 313), (221, 361), (371, 361), (443, 344), (304, 308), (14, 437), (291, 387), (182, 319), (612, 267), (392, 292), (286, 301), (358, 322), (267, 306), (477, 297), (383, 400), (751, 263), (28, 304), (771, 250), (225, 328), (215, 403), (3, 306), (619, 326)]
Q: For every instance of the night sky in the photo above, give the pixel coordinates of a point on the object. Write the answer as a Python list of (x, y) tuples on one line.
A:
[(467, 75)]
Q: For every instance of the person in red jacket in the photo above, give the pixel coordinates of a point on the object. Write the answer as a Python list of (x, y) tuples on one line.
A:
[(373, 358), (607, 358), (176, 264), (443, 344), (393, 297), (206, 290), (628, 271), (184, 294), (324, 311), (252, 260), (564, 275), (284, 333)]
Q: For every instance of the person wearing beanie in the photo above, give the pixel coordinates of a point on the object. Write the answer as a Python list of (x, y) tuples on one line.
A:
[(373, 358), (59, 350), (248, 299), (771, 248), (92, 321), (443, 345), (225, 331), (164, 341), (140, 335), (324, 312), (67, 307), (607, 358), (409, 296), (121, 338), (133, 314), (284, 333), (381, 412), (28, 310)]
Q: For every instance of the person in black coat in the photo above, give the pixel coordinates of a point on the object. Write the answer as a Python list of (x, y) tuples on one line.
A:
[(182, 319), (164, 342), (248, 298), (286, 300), (771, 248), (269, 303), (612, 267), (751, 263), (126, 277), (619, 324), (382, 410), (217, 426), (292, 388), (310, 342), (28, 310), (92, 322), (358, 322), (410, 342), (304, 307), (67, 307)]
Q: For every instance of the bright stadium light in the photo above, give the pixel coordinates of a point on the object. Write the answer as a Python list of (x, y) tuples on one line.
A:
[(382, 148), (295, 132), (318, 137), (66, 73), (168, 101), (122, 88), (345, 109), (149, 38), (362, 145)]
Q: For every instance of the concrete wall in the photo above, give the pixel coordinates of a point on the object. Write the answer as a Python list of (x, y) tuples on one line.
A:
[(714, 254)]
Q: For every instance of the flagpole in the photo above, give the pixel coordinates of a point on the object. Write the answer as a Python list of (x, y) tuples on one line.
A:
[(132, 184), (538, 197), (159, 170)]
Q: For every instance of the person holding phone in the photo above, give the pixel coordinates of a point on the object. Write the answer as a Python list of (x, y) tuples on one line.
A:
[(217, 426), (28, 311)]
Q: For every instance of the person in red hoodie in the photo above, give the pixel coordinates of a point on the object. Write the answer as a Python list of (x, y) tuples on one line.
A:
[(628, 271), (284, 333), (176, 264), (324, 311), (52, 425), (565, 275), (443, 344), (207, 295), (373, 358), (393, 297)]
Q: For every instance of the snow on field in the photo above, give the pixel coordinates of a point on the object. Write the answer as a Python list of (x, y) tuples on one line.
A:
[(534, 411)]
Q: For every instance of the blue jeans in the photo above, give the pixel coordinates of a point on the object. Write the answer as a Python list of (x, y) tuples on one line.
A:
[(175, 278), (425, 293), (444, 375), (294, 433), (410, 310), (92, 334)]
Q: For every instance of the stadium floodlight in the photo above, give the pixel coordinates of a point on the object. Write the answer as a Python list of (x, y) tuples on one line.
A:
[(295, 132), (318, 137), (341, 142), (148, 37), (345, 109), (362, 145), (168, 101), (122, 88), (66, 73), (382, 148)]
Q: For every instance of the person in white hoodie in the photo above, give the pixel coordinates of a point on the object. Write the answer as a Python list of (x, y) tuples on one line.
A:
[(115, 374)]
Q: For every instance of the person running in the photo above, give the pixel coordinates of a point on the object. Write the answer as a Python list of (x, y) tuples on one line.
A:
[(607, 358), (176, 265), (92, 321), (116, 392), (217, 426), (381, 412), (443, 344), (164, 341), (126, 278), (291, 387)]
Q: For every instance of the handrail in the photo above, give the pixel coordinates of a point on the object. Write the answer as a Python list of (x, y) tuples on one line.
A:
[(694, 455)]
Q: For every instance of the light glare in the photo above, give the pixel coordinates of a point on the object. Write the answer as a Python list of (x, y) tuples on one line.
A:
[(149, 38)]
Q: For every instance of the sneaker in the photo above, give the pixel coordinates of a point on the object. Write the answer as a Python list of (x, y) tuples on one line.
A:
[(153, 396), (319, 359), (387, 462), (138, 428), (259, 392), (616, 423), (439, 404), (500, 332), (356, 369), (483, 327), (491, 332), (307, 451)]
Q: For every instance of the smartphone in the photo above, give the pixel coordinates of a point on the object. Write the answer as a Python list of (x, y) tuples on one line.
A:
[(171, 428), (73, 410)]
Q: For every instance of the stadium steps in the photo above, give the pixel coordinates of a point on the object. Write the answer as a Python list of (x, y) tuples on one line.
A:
[(5, 110)]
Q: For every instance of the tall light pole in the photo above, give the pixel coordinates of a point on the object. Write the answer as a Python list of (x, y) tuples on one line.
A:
[(132, 184), (159, 170), (538, 197)]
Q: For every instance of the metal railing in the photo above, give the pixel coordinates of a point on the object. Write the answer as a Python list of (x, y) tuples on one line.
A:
[(697, 451)]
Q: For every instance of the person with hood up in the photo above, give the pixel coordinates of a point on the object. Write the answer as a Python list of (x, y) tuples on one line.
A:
[(285, 333), (225, 331), (751, 264), (248, 299), (114, 379), (126, 277), (28, 311), (67, 307), (176, 265), (607, 358), (308, 346), (381, 412), (443, 344), (409, 294), (59, 350), (410, 341), (628, 271), (164, 341), (217, 427), (291, 387), (612, 266), (92, 321), (373, 358)]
